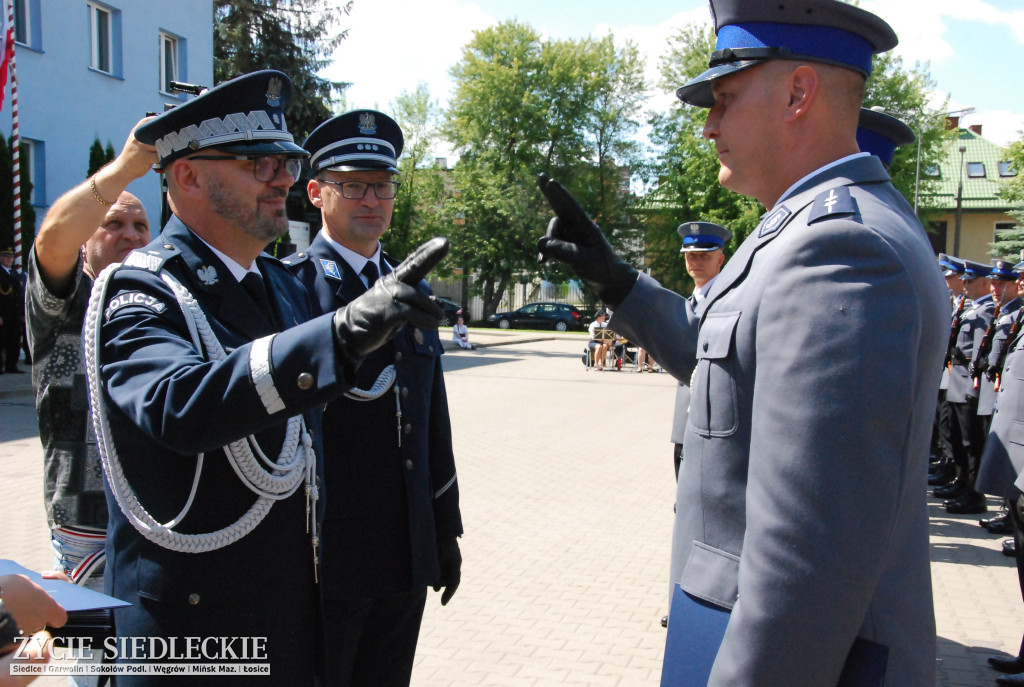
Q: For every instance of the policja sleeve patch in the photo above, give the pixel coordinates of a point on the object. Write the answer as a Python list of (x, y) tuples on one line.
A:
[(136, 299), (835, 201)]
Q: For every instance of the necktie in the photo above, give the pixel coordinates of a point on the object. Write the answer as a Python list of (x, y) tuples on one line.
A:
[(253, 284), (370, 272)]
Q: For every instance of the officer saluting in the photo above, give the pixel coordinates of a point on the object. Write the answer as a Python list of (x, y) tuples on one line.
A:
[(392, 519), (800, 547), (207, 371)]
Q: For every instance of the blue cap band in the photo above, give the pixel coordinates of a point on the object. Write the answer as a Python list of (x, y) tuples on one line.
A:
[(703, 238), (823, 42), (878, 145)]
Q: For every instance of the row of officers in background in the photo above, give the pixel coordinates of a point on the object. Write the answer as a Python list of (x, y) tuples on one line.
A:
[(977, 445)]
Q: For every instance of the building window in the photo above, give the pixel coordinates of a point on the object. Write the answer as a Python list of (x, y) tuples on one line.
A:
[(932, 171), (1006, 169), (975, 170), (100, 25), (33, 166), (22, 21), (1004, 226), (168, 61), (26, 23)]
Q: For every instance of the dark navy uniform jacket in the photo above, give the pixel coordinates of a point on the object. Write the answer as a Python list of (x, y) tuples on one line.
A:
[(167, 402), (388, 504)]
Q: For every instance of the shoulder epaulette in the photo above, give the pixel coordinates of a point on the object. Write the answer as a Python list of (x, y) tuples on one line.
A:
[(150, 258), (296, 259), (832, 203)]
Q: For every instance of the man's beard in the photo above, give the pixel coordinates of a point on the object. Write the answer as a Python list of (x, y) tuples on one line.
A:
[(251, 221)]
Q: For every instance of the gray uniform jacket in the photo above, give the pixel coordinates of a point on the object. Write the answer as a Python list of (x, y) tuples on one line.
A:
[(975, 321), (987, 387), (799, 503), (1003, 457)]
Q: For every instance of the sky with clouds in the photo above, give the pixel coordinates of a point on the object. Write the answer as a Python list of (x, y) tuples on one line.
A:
[(973, 48)]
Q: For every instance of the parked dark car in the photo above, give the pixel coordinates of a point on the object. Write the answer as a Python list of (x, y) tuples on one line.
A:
[(451, 311), (558, 316)]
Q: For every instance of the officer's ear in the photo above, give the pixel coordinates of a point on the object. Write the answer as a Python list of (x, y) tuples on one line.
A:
[(182, 178), (803, 83), (313, 191)]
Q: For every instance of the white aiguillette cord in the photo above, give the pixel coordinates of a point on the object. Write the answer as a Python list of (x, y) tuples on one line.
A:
[(270, 481)]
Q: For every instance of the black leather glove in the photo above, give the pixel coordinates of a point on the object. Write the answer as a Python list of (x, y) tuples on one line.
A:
[(368, 322), (573, 238), (451, 568)]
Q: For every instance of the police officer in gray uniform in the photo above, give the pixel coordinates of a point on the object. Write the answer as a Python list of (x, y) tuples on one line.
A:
[(703, 246), (801, 539), (963, 394), (1002, 471), (995, 474)]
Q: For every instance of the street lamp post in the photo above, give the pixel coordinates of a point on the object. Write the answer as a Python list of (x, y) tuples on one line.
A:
[(920, 130), (959, 203)]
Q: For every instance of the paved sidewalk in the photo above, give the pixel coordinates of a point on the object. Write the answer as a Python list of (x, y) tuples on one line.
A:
[(567, 489)]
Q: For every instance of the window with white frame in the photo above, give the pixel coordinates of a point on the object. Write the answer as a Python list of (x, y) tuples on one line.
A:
[(22, 21), (101, 27), (168, 61)]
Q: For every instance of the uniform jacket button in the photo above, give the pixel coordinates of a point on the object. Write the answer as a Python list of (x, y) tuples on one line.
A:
[(408, 465), (398, 357), (705, 346), (407, 429), (405, 392), (193, 599), (305, 381)]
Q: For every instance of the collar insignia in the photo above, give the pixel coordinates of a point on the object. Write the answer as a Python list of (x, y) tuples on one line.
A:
[(773, 221), (330, 269), (207, 275)]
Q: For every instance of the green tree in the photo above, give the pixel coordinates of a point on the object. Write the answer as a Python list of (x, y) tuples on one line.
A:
[(903, 92), (522, 105), (98, 157), (685, 169), (416, 215), (296, 37), (1009, 244), (28, 212)]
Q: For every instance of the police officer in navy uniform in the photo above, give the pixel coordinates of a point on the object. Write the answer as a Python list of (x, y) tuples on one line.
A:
[(800, 547), (703, 250), (963, 395), (207, 372), (392, 520)]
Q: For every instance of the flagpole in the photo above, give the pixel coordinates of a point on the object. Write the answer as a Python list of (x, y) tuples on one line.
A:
[(15, 144)]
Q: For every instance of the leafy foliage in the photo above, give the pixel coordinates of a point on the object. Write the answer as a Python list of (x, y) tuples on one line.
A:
[(28, 212), (523, 105)]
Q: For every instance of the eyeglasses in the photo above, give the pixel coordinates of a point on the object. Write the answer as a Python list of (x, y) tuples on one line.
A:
[(264, 167), (356, 190)]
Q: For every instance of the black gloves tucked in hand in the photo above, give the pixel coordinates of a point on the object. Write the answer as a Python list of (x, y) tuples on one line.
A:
[(370, 321), (451, 568), (573, 238)]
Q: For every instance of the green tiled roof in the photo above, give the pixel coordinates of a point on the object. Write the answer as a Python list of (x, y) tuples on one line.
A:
[(980, 192)]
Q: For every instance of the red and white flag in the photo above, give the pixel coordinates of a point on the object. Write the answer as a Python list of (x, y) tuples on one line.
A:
[(6, 45)]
